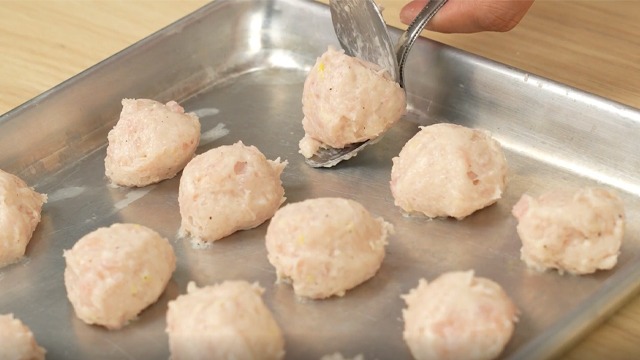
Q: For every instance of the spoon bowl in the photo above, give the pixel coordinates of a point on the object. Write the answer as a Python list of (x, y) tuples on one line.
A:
[(362, 33)]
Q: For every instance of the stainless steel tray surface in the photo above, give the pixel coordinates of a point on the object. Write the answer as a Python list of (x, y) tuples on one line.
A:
[(241, 65)]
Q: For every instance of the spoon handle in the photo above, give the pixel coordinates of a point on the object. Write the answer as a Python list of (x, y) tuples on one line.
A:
[(406, 40)]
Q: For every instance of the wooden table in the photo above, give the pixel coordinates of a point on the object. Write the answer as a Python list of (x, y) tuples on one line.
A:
[(591, 45)]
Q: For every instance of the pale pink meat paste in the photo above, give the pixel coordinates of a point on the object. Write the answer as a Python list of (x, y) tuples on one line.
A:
[(578, 231), (114, 273), (17, 341), (150, 142), (326, 246), (458, 316), (229, 188), (347, 100), (20, 208), (448, 170), (223, 321)]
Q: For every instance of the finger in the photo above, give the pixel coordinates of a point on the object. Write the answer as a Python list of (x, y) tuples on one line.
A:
[(468, 16)]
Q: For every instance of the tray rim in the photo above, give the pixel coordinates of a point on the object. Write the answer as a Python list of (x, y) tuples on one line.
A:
[(615, 293)]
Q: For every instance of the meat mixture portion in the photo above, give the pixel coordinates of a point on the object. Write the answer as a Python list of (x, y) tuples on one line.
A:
[(151, 142), (229, 188), (114, 273), (326, 246), (578, 231), (458, 316), (17, 341), (346, 100), (448, 170), (223, 321), (20, 208)]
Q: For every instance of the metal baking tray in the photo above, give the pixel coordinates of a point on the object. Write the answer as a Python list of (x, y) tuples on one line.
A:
[(241, 65)]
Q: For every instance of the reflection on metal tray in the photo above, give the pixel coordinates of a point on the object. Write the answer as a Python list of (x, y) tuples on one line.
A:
[(242, 64)]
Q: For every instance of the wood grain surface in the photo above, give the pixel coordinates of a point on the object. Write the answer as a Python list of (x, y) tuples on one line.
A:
[(593, 45)]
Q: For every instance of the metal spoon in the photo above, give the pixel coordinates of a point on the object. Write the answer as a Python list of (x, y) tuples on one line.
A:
[(362, 32)]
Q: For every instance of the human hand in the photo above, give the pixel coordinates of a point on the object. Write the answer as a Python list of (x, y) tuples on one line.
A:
[(469, 16)]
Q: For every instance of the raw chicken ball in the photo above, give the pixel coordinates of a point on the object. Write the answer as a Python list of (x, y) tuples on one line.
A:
[(114, 273), (227, 189), (151, 142), (326, 246), (578, 231), (458, 316), (347, 100), (20, 208), (224, 321), (448, 170), (17, 341)]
